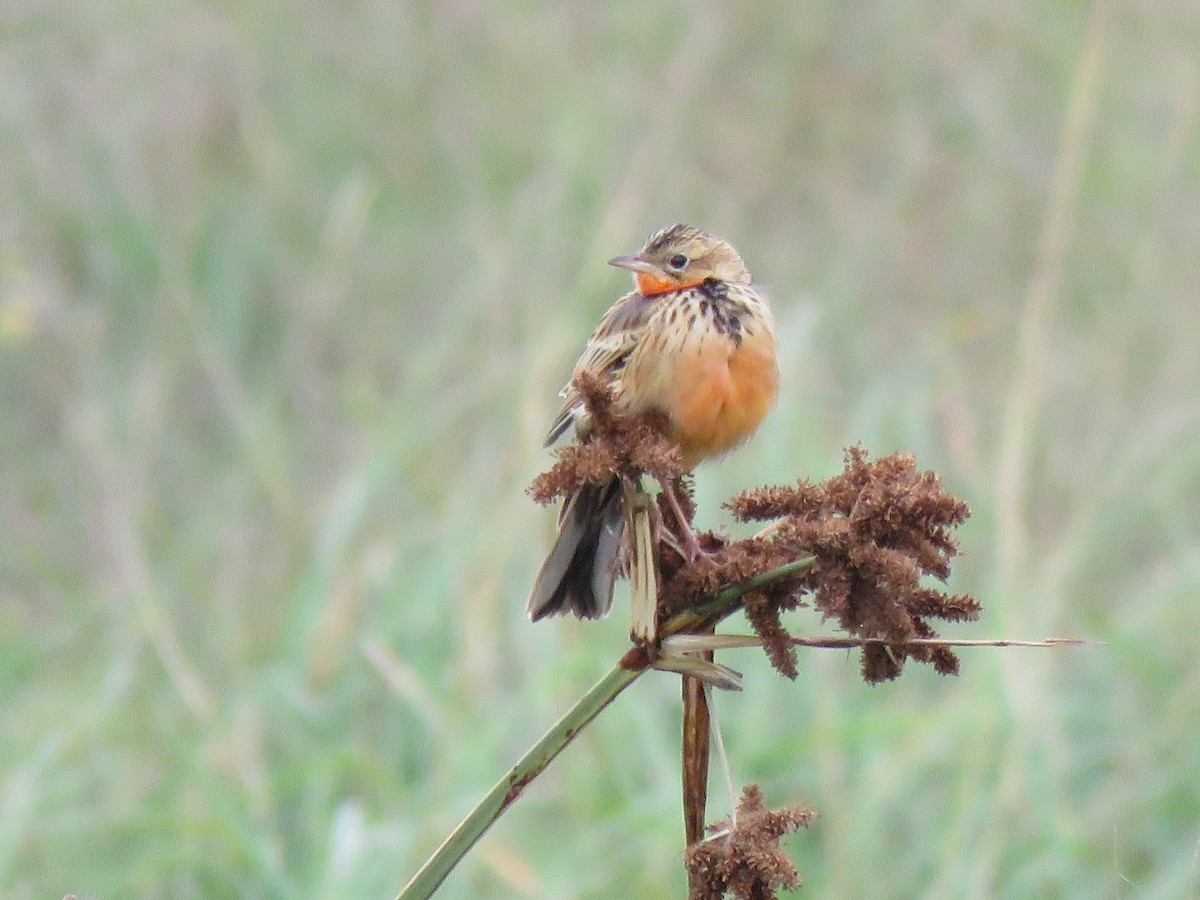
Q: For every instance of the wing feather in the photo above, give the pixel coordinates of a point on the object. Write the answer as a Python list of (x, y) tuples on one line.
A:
[(618, 333)]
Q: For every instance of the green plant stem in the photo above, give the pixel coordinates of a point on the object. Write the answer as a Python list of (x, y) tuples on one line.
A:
[(490, 808), (499, 798)]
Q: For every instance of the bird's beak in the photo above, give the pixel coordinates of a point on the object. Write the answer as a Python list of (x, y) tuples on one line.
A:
[(634, 264)]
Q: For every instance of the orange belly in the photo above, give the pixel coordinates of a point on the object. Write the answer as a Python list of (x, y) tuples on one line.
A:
[(720, 395)]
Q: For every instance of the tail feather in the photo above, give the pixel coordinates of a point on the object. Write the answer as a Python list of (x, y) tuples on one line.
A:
[(578, 574)]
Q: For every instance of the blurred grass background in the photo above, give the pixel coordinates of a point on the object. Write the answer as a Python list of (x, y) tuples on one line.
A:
[(286, 292)]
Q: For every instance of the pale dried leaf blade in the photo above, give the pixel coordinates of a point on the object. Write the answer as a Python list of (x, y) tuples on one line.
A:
[(717, 675), (643, 578), (699, 643)]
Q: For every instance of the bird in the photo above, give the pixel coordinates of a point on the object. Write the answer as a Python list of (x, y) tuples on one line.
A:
[(694, 342)]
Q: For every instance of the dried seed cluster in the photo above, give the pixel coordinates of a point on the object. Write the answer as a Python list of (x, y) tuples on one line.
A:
[(875, 530), (615, 445), (746, 859)]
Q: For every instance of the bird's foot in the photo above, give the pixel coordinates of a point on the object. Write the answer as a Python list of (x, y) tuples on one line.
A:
[(683, 536)]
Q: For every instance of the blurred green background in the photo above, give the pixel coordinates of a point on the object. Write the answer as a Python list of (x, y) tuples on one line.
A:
[(286, 293)]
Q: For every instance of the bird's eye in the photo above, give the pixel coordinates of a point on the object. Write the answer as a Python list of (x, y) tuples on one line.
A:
[(678, 261)]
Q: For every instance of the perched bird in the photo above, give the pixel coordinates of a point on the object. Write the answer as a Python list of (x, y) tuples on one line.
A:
[(695, 341)]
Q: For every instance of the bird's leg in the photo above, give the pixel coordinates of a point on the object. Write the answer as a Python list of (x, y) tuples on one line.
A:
[(663, 532), (690, 544)]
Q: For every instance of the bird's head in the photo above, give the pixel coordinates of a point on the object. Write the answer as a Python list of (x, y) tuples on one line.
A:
[(679, 257)]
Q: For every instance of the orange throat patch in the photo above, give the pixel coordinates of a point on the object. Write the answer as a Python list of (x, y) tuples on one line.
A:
[(649, 285)]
